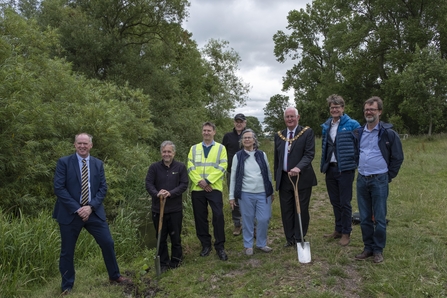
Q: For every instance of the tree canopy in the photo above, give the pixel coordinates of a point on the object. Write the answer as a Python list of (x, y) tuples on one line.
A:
[(274, 113), (359, 49), (124, 71)]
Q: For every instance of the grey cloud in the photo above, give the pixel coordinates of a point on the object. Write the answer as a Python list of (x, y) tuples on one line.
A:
[(249, 26)]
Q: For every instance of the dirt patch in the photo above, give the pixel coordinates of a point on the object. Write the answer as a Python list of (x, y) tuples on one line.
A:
[(141, 287)]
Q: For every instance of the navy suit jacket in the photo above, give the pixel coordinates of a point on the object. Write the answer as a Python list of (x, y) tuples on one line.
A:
[(67, 188), (301, 154)]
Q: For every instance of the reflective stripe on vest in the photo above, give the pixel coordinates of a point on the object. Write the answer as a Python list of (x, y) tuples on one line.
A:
[(197, 162)]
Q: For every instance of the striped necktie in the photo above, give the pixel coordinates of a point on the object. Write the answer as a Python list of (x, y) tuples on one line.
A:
[(84, 180)]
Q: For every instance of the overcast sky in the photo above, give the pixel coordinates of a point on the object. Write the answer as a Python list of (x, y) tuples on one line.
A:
[(249, 26)]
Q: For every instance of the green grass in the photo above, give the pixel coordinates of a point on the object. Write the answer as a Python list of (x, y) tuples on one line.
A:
[(414, 266)]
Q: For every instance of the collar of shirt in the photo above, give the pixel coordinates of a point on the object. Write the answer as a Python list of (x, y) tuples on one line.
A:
[(293, 130), (81, 158), (164, 165), (336, 122), (365, 128), (212, 144)]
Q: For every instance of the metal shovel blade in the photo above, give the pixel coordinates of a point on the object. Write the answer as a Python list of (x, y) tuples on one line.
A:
[(157, 265), (303, 249)]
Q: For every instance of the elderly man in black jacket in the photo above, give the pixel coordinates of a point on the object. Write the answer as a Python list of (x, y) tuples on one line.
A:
[(294, 152), (168, 178)]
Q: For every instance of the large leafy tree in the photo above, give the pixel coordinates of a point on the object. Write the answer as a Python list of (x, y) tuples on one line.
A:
[(423, 85), (353, 47), (99, 37), (274, 113), (224, 88), (316, 74)]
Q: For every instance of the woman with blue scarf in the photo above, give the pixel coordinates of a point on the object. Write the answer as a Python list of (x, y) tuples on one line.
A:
[(251, 184)]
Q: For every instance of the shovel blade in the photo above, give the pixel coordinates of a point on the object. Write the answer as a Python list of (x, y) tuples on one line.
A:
[(303, 252), (157, 265)]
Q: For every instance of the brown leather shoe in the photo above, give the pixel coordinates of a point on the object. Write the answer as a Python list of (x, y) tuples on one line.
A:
[(345, 239), (378, 258), (66, 292), (237, 230), (121, 280), (334, 235), (364, 255)]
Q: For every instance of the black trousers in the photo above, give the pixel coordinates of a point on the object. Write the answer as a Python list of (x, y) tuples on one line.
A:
[(339, 188), (172, 226), (200, 202), (236, 212), (289, 213)]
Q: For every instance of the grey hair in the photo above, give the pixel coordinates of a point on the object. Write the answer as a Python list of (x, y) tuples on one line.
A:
[(84, 133), (290, 108), (255, 145), (336, 100), (167, 143)]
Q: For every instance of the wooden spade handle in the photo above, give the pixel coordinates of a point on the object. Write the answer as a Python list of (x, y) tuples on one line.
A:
[(295, 190)]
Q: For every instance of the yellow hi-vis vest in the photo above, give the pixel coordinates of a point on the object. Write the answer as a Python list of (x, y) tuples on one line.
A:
[(211, 168)]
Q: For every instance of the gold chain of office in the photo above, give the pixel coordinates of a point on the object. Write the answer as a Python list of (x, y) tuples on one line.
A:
[(295, 138)]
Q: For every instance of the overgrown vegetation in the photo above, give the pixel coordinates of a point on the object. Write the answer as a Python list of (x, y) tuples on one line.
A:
[(153, 85)]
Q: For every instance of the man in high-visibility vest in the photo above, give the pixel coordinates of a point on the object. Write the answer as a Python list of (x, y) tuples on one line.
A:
[(207, 163)]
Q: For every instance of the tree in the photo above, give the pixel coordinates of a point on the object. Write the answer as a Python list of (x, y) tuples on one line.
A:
[(225, 89), (100, 36), (316, 74), (423, 85), (254, 124), (353, 48), (274, 113)]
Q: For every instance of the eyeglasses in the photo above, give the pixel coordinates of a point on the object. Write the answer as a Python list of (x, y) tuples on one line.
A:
[(335, 108), (247, 138), (370, 110)]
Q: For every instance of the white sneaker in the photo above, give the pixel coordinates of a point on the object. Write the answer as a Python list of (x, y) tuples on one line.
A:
[(265, 249), (248, 251)]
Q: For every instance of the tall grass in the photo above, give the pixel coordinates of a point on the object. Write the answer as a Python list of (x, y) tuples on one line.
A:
[(29, 249)]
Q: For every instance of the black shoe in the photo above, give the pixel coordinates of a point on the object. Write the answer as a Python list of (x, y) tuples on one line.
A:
[(205, 251), (289, 244), (164, 269), (173, 265), (222, 255)]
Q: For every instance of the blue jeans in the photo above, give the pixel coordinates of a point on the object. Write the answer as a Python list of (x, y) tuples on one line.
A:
[(255, 205), (372, 195)]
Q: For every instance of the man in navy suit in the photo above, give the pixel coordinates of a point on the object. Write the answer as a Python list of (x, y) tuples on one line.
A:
[(294, 152), (72, 215)]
